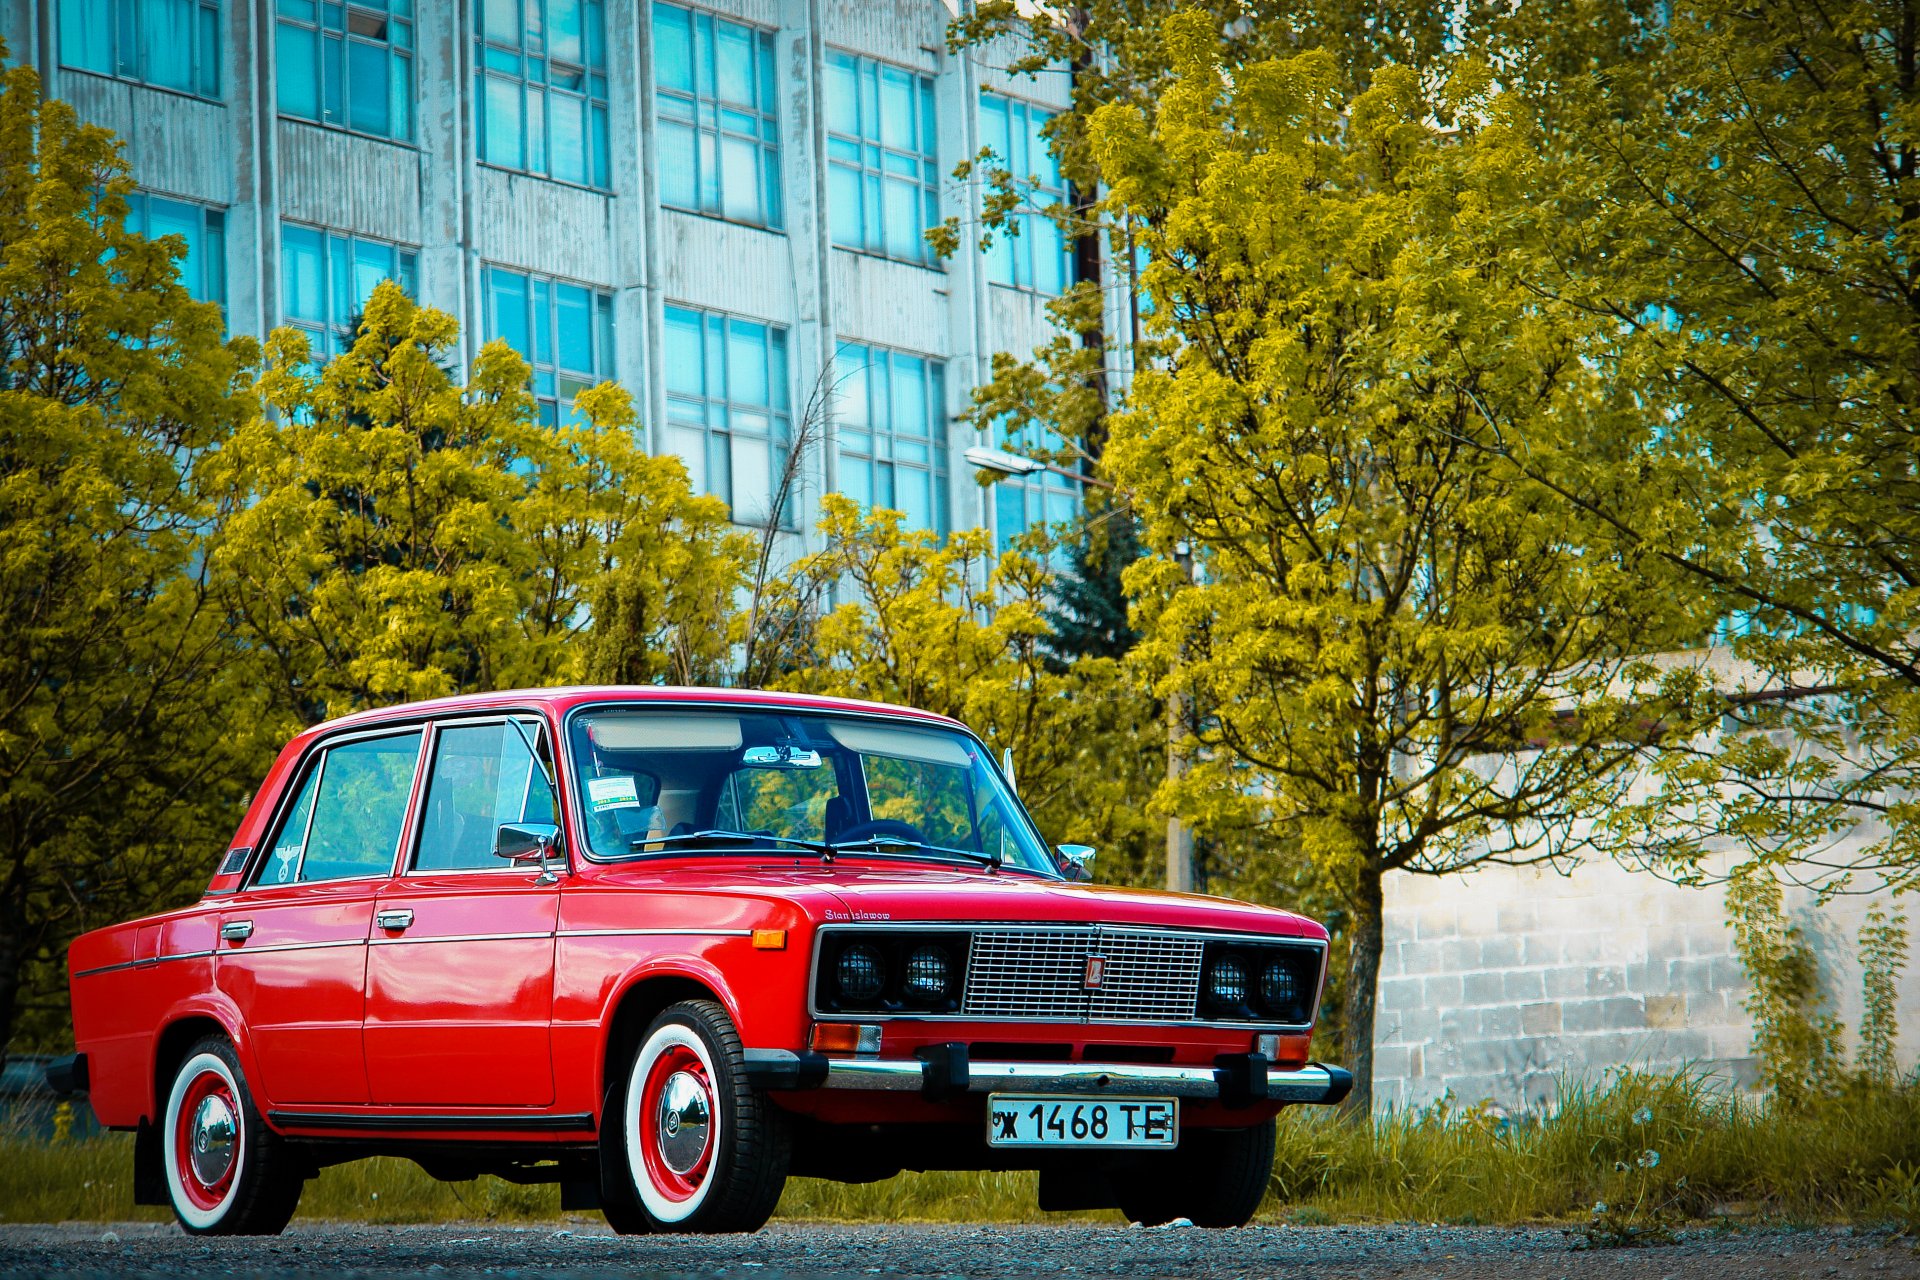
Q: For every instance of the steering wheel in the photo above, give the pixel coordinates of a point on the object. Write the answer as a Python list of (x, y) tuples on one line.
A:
[(881, 827)]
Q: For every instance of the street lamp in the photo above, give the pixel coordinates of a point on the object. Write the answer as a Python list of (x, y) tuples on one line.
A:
[(1015, 464)]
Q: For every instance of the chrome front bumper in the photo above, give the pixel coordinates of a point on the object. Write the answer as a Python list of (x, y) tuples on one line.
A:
[(946, 1071)]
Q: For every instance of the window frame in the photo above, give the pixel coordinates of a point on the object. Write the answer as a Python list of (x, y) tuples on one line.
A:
[(406, 257), (1017, 246), (123, 19), (875, 153), (602, 334), (393, 11), (416, 831), (312, 767), (142, 200), (594, 96), (939, 441), (705, 115), (779, 435)]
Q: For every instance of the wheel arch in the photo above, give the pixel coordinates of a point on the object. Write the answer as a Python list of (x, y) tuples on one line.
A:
[(640, 1000), (179, 1033)]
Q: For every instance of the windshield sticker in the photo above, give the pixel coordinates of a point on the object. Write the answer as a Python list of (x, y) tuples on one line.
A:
[(613, 793)]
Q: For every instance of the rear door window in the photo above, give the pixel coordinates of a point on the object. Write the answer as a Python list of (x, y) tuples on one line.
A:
[(350, 812)]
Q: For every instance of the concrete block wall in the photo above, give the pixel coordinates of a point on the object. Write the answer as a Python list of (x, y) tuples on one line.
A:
[(1502, 983)]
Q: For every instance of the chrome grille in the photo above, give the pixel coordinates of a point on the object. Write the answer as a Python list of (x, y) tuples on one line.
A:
[(1041, 973)]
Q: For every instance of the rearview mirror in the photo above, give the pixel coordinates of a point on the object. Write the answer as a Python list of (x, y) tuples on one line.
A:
[(784, 756), (1074, 859), (526, 841)]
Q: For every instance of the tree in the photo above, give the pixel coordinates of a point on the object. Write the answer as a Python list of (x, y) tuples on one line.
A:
[(124, 749), (944, 625), (1737, 205), (397, 536), (1410, 661)]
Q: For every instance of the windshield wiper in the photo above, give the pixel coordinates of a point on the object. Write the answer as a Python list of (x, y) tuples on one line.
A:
[(754, 842), (886, 844)]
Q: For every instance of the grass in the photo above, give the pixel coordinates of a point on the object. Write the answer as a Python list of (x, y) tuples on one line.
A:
[(1622, 1160)]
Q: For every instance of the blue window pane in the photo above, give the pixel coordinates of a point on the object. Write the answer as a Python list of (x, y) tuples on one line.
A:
[(896, 108), (733, 63), (843, 103), (367, 88), (303, 271), (86, 35), (564, 38), (295, 63), (679, 173), (372, 263), (500, 20), (168, 40), (682, 351), (673, 47), (507, 310), (740, 179), (747, 363), (569, 145), (1009, 512), (574, 327), (500, 111)]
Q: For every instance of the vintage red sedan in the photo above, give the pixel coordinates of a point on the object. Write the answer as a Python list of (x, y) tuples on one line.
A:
[(666, 947)]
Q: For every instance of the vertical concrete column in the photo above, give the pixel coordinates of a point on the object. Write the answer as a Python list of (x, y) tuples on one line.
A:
[(254, 99), (651, 299), (957, 100), (801, 53), (443, 132), (634, 303)]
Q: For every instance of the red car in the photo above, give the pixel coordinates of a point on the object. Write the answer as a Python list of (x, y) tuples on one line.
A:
[(666, 947)]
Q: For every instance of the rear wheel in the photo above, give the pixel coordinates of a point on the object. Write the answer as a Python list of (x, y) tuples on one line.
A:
[(227, 1173), (691, 1146), (1214, 1178)]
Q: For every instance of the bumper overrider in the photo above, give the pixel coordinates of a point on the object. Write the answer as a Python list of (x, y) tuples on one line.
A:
[(946, 1071)]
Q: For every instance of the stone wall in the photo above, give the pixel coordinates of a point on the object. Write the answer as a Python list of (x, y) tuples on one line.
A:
[(1499, 984)]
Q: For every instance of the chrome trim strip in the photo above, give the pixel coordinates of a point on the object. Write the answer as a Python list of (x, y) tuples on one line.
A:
[(292, 946), (565, 1122), (461, 937), (141, 964), (1103, 1079), (656, 933)]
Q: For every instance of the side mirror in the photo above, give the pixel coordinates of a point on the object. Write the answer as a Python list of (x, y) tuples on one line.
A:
[(1074, 859), (529, 842)]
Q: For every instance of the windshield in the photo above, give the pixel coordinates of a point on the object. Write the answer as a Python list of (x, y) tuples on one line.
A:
[(677, 780)]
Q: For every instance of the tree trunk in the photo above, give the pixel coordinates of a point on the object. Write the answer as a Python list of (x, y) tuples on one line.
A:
[(1180, 877), (1363, 979)]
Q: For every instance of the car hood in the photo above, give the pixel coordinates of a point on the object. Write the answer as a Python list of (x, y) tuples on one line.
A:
[(852, 890)]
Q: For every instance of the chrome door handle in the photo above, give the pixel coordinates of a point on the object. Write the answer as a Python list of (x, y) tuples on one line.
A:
[(394, 918), (237, 930)]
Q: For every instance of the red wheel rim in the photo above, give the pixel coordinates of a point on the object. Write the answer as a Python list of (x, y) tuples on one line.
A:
[(197, 1140), (663, 1128)]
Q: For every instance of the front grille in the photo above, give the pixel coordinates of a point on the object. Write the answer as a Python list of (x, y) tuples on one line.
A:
[(1041, 973)]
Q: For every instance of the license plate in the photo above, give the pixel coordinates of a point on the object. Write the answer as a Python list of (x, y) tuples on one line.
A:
[(1044, 1120)]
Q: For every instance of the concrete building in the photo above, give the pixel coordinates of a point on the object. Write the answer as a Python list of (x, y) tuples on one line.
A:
[(718, 204)]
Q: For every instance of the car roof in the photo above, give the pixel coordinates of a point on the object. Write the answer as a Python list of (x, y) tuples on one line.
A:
[(558, 701)]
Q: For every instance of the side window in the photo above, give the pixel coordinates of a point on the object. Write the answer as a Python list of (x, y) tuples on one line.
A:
[(283, 862), (483, 775), (360, 807)]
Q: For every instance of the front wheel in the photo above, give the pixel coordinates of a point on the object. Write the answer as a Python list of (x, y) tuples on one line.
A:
[(227, 1173), (691, 1145), (1214, 1178)]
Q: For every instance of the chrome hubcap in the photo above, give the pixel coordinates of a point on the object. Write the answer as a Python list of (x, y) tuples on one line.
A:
[(686, 1118), (214, 1130)]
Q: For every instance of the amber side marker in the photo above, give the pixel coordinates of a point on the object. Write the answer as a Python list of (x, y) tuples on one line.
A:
[(769, 939), (845, 1037)]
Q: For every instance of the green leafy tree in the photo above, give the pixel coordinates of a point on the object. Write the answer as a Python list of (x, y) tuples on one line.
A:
[(397, 535), (1732, 197), (124, 747), (947, 626), (1410, 662)]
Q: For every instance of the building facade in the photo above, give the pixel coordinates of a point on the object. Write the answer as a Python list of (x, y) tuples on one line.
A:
[(718, 204)]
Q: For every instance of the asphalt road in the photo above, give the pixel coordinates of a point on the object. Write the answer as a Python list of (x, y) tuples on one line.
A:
[(812, 1252)]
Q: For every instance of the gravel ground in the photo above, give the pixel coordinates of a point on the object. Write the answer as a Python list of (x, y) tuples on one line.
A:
[(791, 1252)]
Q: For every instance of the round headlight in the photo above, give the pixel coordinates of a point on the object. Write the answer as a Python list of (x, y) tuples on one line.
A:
[(928, 975), (1227, 983), (1279, 988), (861, 974)]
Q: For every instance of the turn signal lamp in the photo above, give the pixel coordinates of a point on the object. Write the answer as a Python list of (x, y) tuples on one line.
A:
[(769, 939), (846, 1037)]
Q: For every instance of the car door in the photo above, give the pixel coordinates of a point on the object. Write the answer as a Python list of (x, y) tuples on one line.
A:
[(293, 944), (460, 965)]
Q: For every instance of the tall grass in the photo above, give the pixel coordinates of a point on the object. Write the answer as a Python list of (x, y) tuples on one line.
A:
[(1650, 1149)]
